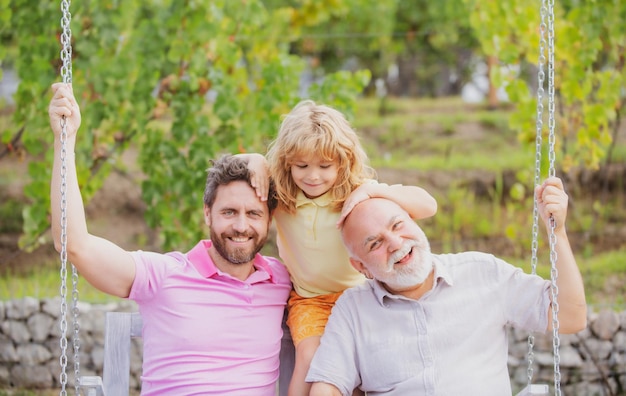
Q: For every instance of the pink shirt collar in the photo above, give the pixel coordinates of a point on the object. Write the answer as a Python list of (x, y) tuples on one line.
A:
[(199, 257)]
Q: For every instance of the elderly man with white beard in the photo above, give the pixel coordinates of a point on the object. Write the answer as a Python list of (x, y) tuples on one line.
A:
[(435, 324)]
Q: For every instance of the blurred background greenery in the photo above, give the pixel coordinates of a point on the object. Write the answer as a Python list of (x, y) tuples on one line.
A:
[(443, 95)]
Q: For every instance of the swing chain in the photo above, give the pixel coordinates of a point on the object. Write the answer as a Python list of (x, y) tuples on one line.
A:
[(75, 336), (66, 42), (551, 99), (538, 145), (63, 289), (554, 290), (547, 13), (66, 74)]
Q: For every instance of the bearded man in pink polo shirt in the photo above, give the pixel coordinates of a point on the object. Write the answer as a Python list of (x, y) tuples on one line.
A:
[(212, 316)]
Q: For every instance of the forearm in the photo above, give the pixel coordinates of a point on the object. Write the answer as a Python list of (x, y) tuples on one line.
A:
[(102, 263), (324, 389), (75, 212), (251, 156), (92, 256), (415, 200), (571, 291)]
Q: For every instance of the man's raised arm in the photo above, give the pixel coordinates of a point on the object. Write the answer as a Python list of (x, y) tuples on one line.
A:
[(102, 263)]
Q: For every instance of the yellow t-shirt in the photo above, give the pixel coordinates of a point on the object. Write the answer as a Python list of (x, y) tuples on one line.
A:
[(310, 246)]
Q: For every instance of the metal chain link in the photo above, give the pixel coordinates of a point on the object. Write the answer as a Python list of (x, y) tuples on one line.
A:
[(76, 334), (547, 13), (66, 75), (554, 290), (66, 42), (538, 145)]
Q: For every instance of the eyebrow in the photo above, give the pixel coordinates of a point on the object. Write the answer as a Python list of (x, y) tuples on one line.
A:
[(235, 209), (371, 238)]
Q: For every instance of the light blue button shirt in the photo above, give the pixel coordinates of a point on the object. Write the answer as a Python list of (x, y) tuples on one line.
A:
[(452, 341)]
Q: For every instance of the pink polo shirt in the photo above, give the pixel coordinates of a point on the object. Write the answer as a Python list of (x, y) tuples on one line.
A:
[(205, 332)]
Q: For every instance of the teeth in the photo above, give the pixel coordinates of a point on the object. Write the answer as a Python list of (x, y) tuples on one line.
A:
[(239, 239), (400, 255)]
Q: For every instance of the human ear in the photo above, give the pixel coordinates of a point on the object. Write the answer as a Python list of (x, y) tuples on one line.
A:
[(207, 215), (359, 266)]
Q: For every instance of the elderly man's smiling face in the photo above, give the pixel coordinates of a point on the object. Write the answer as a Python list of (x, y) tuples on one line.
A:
[(384, 242)]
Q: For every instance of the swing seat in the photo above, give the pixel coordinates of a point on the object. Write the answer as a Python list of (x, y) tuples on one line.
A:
[(120, 327), (535, 390)]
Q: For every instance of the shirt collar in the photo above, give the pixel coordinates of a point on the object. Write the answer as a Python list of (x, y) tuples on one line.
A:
[(200, 259), (442, 274), (322, 200)]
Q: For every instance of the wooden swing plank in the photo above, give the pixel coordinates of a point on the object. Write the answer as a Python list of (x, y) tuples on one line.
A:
[(535, 390)]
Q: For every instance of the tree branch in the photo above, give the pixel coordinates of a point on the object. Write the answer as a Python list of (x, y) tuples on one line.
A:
[(13, 144)]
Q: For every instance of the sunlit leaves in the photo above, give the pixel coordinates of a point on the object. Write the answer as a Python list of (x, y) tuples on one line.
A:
[(340, 89), (180, 81), (589, 68)]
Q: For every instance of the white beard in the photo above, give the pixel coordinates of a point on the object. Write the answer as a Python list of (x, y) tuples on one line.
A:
[(410, 274)]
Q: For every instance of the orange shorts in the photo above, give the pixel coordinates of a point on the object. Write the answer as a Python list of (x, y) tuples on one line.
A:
[(307, 317)]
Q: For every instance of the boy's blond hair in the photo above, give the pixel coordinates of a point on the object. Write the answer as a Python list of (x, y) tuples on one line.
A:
[(323, 132)]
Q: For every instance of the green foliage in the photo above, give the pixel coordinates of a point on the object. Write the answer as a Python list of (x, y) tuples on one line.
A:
[(430, 134), (142, 61), (377, 35), (340, 88), (5, 17), (331, 42), (10, 213), (18, 393), (142, 71), (499, 218), (43, 282), (431, 38), (589, 69)]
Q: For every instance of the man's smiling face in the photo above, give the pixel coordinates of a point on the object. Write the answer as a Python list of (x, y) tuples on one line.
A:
[(239, 222)]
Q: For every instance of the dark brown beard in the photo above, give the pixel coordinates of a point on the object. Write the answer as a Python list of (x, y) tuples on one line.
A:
[(238, 256)]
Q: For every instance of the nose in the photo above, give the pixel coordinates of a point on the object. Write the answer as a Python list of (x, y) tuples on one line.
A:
[(312, 174), (395, 242), (241, 223)]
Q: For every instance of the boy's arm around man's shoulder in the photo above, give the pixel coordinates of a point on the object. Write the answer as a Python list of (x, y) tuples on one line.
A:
[(324, 389)]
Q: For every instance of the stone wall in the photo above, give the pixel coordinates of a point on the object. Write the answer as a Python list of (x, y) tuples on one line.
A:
[(30, 348), (592, 362)]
